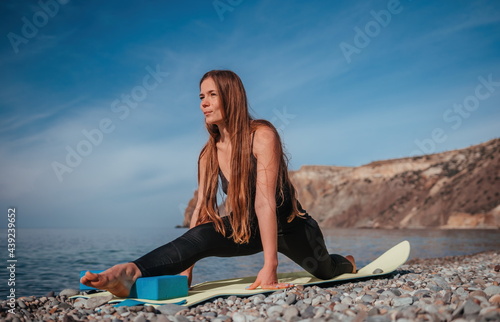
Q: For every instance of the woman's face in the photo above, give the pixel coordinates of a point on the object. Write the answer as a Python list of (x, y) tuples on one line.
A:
[(210, 102)]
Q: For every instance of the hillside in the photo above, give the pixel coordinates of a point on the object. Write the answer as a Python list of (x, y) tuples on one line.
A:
[(454, 189)]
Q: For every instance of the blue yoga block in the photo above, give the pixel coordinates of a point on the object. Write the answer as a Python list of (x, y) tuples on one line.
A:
[(154, 288), (160, 287)]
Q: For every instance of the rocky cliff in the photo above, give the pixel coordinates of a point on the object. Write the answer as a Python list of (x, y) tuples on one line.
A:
[(454, 189)]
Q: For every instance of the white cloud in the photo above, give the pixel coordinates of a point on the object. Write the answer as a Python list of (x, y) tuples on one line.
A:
[(346, 114)]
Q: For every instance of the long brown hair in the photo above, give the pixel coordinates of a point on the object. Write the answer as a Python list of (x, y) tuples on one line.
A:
[(241, 126)]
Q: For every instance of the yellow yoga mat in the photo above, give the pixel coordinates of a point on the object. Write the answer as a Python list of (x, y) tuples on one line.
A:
[(385, 264)]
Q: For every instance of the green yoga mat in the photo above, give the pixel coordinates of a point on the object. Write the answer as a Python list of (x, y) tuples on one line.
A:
[(385, 264)]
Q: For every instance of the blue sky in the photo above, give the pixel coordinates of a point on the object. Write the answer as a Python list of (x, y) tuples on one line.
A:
[(99, 108)]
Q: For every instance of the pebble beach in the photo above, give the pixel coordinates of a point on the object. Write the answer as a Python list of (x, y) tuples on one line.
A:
[(459, 288)]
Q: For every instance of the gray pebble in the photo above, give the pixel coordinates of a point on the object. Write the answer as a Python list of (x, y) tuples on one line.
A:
[(422, 293), (377, 271), (308, 312), (291, 298), (274, 310), (180, 318), (447, 297), (149, 308), (388, 294), (479, 294), (161, 318), (458, 311), (125, 313), (435, 288), (471, 307), (490, 314), (290, 312), (140, 318), (257, 299), (492, 290), (402, 301), (21, 304), (69, 292), (317, 300), (396, 291), (121, 309), (429, 308), (94, 302), (347, 300), (280, 302), (170, 309), (64, 306), (341, 307), (301, 306), (80, 303), (373, 311), (238, 317), (108, 309), (479, 281), (367, 298), (319, 312), (441, 282), (379, 318), (335, 299)]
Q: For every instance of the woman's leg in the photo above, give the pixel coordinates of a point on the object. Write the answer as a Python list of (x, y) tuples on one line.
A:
[(197, 243), (172, 258), (302, 241)]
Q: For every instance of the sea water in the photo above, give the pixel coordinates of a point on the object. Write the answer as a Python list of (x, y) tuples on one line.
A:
[(51, 259)]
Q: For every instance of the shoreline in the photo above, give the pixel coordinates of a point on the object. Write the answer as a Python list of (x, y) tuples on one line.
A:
[(449, 288)]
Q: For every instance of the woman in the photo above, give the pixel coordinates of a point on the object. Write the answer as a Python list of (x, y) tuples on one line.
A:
[(246, 157)]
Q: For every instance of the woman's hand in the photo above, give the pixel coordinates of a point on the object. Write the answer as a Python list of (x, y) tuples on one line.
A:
[(268, 279)]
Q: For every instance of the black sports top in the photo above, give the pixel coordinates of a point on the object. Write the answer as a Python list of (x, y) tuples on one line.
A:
[(283, 205)]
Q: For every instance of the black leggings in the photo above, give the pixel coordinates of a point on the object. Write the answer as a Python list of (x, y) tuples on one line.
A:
[(301, 241)]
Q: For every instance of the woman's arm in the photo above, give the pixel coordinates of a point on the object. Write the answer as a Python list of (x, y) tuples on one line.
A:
[(266, 151)]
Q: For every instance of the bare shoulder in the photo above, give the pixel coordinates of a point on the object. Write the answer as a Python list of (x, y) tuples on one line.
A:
[(202, 163), (202, 159), (265, 139)]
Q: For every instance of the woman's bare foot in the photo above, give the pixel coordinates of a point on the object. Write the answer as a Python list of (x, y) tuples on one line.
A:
[(351, 259), (117, 280)]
